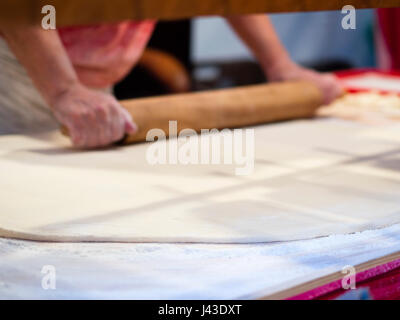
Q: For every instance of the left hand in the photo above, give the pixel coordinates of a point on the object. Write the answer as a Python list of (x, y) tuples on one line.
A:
[(326, 82)]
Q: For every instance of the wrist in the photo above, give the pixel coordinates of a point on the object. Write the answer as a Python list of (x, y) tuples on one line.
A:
[(54, 94), (279, 70)]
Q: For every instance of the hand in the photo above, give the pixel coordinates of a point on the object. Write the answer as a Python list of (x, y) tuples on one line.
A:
[(326, 82), (93, 119)]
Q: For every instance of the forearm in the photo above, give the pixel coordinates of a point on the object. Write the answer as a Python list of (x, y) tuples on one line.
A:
[(259, 35), (93, 119), (44, 58)]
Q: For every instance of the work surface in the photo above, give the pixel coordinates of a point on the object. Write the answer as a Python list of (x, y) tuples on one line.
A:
[(184, 271)]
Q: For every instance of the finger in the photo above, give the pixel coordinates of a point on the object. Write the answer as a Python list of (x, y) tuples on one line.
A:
[(76, 131), (103, 129), (117, 123), (75, 135), (90, 129), (130, 126)]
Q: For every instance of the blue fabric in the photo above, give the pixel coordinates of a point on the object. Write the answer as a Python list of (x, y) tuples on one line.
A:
[(316, 36)]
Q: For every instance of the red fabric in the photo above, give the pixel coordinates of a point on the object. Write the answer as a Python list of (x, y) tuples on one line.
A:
[(104, 54), (383, 287), (344, 75), (360, 71), (383, 282), (389, 23)]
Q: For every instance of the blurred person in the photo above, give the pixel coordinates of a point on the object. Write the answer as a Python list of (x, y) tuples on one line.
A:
[(65, 76)]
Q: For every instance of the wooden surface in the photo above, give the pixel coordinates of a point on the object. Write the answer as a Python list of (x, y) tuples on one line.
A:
[(95, 11), (228, 108)]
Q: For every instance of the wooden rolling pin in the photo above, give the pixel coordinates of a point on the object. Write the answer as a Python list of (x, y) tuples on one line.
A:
[(227, 108)]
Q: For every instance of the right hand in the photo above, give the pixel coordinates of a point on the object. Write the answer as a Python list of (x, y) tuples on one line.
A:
[(93, 119)]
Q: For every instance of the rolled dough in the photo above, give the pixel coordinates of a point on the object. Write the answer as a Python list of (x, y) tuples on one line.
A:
[(312, 178), (367, 107)]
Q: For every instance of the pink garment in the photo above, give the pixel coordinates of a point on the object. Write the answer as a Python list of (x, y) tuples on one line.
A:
[(389, 37), (383, 58), (103, 54)]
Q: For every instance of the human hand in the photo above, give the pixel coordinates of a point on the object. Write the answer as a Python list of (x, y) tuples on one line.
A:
[(93, 119), (326, 82)]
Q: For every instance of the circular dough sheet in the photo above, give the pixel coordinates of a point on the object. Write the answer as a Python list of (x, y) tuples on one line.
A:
[(311, 179)]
